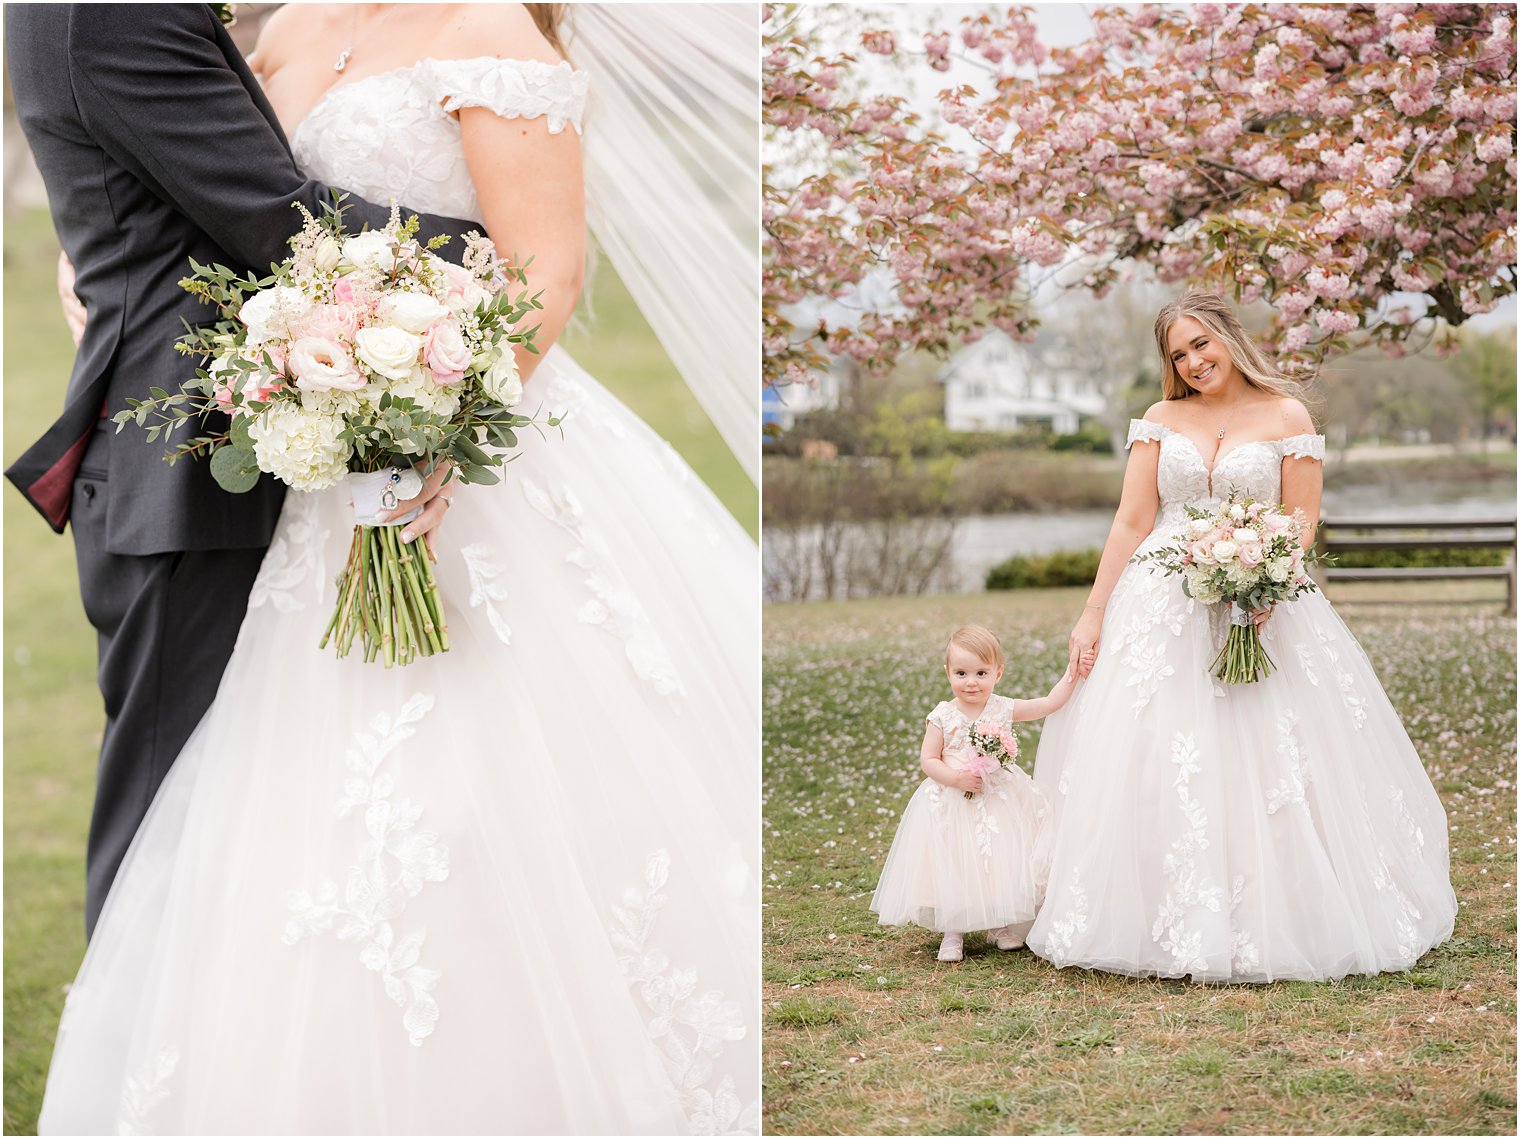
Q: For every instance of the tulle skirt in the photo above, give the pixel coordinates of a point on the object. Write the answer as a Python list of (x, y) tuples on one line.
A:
[(1252, 832), (959, 864), (508, 889)]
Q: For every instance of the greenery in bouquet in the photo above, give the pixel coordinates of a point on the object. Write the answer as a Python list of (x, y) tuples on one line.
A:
[(360, 353), (996, 747), (1248, 554)]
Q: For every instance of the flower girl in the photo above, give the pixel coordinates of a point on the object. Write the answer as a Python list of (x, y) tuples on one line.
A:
[(972, 849)]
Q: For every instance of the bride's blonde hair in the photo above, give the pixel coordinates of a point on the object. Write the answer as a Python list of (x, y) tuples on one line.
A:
[(1214, 313), (549, 19)]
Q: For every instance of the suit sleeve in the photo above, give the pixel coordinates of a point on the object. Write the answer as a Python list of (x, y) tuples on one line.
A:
[(153, 87)]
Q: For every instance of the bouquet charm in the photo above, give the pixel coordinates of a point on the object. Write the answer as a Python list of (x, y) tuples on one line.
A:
[(360, 359), (1246, 553)]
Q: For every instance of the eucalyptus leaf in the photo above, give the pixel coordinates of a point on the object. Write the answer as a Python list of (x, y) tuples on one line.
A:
[(230, 469)]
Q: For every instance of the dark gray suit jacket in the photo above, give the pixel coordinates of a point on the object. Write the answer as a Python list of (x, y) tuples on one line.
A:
[(157, 145)]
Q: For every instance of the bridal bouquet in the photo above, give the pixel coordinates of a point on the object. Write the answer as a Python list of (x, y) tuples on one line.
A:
[(996, 747), (362, 358), (1248, 554)]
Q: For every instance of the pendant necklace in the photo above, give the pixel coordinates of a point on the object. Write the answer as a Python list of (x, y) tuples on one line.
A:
[(353, 40)]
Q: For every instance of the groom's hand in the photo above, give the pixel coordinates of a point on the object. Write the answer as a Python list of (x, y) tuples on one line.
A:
[(435, 501)]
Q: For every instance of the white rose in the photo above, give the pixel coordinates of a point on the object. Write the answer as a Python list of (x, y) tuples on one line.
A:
[(320, 364), (446, 353), (392, 352), (326, 255), (369, 250), (1198, 527), (1246, 534), (1279, 570), (502, 382), (302, 448), (270, 313), (1237, 512), (473, 296), (1224, 551), (414, 312)]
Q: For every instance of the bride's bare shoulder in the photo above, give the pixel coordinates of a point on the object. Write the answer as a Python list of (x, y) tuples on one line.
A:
[(503, 30), (284, 31)]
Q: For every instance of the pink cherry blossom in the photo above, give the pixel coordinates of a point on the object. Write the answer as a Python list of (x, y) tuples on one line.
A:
[(1318, 157)]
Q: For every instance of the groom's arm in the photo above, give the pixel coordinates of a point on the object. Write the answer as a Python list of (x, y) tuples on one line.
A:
[(154, 89)]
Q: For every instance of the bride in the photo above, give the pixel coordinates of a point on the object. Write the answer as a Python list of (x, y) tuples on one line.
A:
[(1249, 832), (509, 888)]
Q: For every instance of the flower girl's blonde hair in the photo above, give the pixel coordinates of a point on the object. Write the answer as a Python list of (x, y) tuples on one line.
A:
[(981, 642)]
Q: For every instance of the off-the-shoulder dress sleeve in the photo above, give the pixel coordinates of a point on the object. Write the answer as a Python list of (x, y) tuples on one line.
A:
[(513, 88), (1144, 431), (1304, 447)]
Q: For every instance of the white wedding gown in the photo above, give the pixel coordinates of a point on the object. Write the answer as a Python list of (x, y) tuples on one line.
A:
[(508, 889), (1244, 833)]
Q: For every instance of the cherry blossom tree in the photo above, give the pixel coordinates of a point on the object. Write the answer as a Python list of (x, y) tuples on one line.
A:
[(1350, 165)]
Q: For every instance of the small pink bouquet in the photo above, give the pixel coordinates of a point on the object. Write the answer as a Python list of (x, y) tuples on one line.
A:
[(1246, 553), (996, 747), (363, 359)]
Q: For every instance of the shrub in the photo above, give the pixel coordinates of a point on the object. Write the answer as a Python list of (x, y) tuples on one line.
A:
[(1045, 571)]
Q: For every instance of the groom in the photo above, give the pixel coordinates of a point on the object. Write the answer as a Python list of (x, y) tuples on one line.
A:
[(157, 145)]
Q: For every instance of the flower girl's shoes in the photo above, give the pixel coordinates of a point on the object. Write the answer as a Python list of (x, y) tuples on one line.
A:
[(952, 948), (1005, 937)]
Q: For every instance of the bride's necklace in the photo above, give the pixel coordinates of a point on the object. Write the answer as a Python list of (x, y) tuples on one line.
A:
[(1225, 424), (354, 39)]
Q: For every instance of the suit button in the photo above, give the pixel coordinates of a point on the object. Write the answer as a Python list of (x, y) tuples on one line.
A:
[(88, 490)]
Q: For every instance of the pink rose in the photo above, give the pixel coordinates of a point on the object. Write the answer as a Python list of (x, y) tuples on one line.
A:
[(1199, 550), (1251, 555), (343, 291), (331, 322), (261, 385), (444, 350), (221, 391), (320, 364)]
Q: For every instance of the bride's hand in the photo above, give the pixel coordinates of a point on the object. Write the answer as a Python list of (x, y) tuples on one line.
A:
[(1083, 643), (74, 312), (435, 502), (1259, 616)]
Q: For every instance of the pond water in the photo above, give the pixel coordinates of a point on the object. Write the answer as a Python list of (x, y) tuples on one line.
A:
[(979, 542)]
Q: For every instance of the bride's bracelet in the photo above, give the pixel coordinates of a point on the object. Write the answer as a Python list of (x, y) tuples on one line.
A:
[(1099, 608)]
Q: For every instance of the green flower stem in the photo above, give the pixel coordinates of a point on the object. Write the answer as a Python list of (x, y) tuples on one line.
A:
[(412, 576), (388, 598), (1243, 659), (434, 600)]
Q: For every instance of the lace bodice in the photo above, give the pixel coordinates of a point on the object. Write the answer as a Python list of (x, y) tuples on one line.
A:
[(1183, 478), (955, 725), (392, 136)]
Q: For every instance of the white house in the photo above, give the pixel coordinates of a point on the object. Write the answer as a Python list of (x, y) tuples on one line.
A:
[(876, 292), (998, 384)]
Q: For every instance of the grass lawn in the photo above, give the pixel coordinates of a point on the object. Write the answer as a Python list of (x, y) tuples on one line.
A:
[(53, 714), (866, 1033)]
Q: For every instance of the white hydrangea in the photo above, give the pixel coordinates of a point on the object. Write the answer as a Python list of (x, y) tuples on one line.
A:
[(419, 386), (300, 447)]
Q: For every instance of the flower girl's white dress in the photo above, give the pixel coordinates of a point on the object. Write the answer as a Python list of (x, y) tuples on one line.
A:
[(504, 889), (1249, 832), (960, 864)]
